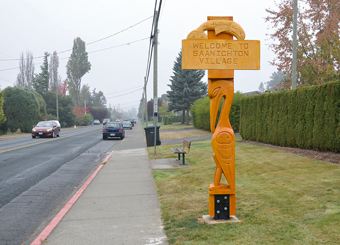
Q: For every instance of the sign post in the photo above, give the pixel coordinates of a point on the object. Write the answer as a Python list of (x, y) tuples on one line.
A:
[(221, 55)]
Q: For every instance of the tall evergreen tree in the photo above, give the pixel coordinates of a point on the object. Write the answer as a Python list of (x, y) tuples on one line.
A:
[(261, 87), (186, 87), (275, 79), (77, 66), (41, 81)]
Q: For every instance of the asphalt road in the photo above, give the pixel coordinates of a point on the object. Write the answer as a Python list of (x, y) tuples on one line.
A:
[(37, 176)]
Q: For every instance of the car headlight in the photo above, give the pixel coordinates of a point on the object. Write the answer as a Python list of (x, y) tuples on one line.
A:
[(48, 130), (34, 130)]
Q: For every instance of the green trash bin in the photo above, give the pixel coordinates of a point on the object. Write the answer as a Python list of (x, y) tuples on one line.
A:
[(150, 136)]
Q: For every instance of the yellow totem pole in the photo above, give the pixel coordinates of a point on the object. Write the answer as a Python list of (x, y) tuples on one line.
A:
[(221, 55)]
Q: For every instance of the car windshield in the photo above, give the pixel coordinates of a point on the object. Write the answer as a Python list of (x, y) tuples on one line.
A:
[(44, 124), (113, 125)]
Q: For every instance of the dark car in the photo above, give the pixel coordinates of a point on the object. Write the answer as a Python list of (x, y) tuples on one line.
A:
[(113, 129), (106, 120), (46, 129)]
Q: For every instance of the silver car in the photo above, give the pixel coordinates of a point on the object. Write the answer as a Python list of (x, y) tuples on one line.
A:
[(127, 124)]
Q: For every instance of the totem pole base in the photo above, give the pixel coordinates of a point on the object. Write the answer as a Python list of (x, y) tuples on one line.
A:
[(211, 221), (222, 202)]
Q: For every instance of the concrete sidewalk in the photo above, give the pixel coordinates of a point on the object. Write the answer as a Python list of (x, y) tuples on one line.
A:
[(120, 205)]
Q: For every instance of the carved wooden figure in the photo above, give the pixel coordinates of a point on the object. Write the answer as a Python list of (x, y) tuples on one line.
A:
[(215, 54)]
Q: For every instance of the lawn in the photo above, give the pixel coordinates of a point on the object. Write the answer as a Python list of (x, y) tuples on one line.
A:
[(169, 127), (281, 198), (183, 134)]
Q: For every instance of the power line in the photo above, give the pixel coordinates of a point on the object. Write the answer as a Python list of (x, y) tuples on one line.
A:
[(127, 104), (124, 94), (120, 45), (123, 90), (131, 102), (151, 44), (101, 39), (10, 68), (6, 80), (119, 31)]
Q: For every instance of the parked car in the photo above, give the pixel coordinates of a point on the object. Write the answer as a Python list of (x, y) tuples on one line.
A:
[(113, 129), (46, 129), (106, 120), (127, 124), (132, 122), (96, 122)]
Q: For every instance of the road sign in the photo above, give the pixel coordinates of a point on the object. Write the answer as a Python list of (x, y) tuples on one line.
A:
[(220, 54)]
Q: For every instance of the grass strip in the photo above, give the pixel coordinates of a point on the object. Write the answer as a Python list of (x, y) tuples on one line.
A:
[(168, 127)]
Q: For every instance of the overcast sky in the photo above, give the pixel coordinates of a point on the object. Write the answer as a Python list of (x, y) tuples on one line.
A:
[(118, 68)]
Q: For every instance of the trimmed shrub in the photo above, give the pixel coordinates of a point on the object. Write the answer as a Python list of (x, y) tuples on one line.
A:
[(42, 105), (307, 118), (200, 112), (167, 120), (21, 109), (177, 118)]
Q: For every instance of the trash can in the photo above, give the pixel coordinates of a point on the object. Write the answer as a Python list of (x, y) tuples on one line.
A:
[(150, 137)]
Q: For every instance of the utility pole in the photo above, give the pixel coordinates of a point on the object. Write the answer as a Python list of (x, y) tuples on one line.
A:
[(142, 109), (57, 90), (145, 104), (155, 96), (294, 45)]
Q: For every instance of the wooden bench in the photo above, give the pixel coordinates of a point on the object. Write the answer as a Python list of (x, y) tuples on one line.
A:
[(179, 151)]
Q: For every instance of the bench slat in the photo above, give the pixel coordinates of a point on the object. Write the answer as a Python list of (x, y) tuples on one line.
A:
[(186, 143), (178, 150)]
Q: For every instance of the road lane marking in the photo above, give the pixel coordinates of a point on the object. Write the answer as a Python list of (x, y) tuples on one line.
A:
[(60, 215), (37, 143)]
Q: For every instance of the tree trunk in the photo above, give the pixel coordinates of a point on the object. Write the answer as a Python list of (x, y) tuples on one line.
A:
[(188, 119), (183, 117)]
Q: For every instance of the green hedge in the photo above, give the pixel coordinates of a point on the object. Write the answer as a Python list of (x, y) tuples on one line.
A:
[(307, 118), (200, 112), (167, 120)]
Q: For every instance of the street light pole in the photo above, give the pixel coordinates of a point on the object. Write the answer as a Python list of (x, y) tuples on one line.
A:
[(294, 45)]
